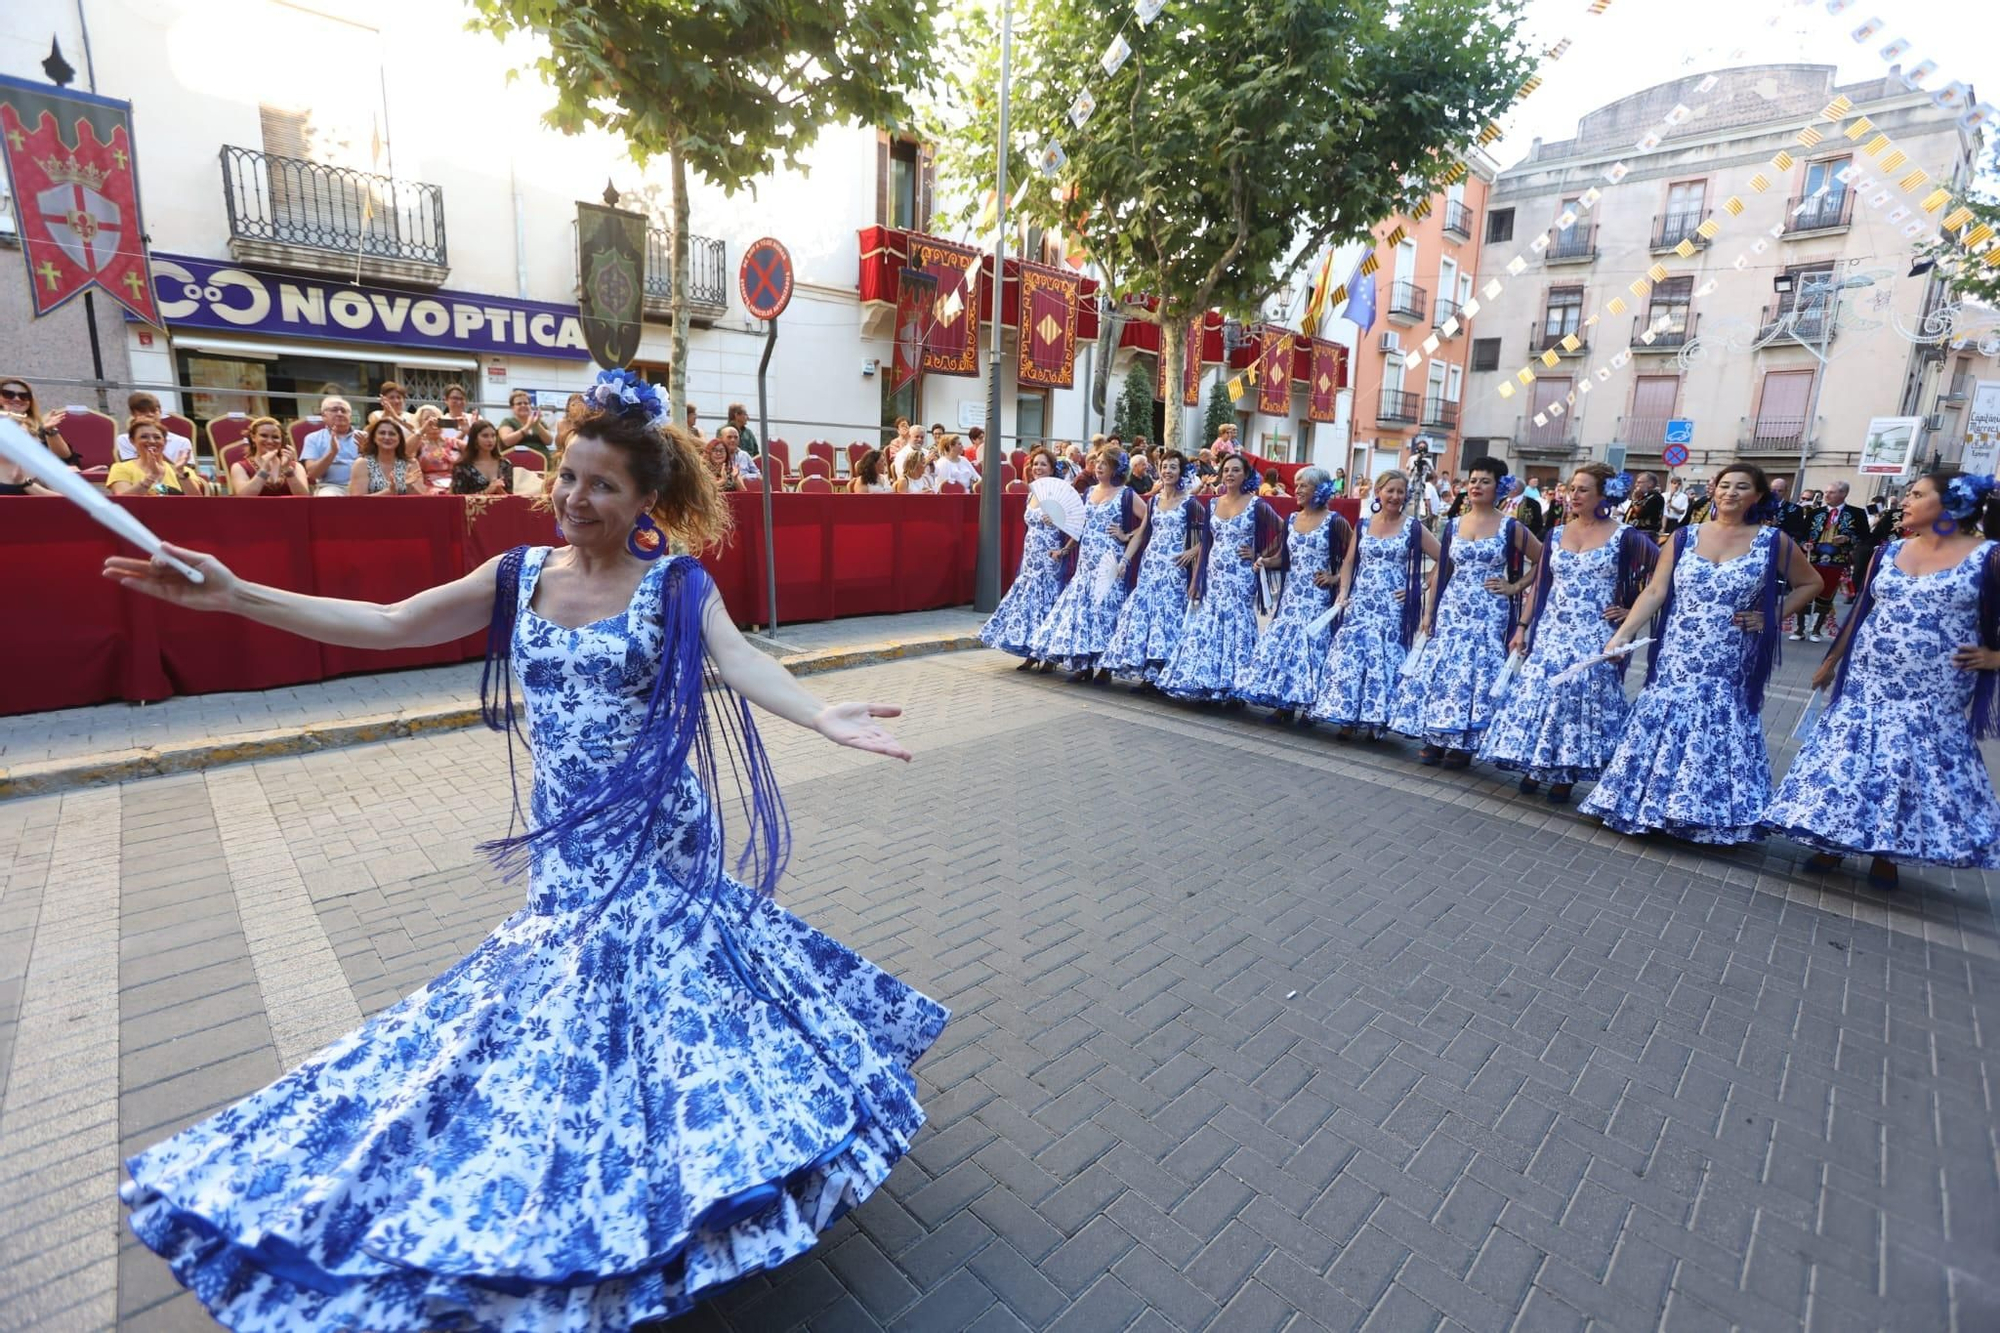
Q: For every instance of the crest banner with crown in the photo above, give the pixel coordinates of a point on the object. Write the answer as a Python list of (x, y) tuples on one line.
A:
[(1048, 327), (76, 195)]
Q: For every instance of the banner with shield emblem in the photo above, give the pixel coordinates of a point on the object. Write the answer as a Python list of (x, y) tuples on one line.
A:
[(611, 260)]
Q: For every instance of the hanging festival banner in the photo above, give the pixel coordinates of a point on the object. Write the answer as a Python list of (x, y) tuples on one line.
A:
[(1048, 327), (1274, 389), (1160, 377), (1324, 379), (76, 195), (916, 293), (1191, 363), (951, 346), (611, 257)]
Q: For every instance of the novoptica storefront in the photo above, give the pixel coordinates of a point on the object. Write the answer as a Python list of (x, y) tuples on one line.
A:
[(245, 339)]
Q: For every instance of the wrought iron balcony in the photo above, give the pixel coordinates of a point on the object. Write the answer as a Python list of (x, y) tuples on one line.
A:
[(1554, 439), (1647, 435), (299, 214), (1670, 229), (1670, 339), (1398, 406), (1441, 412), (1819, 212), (1811, 323), (1458, 219), (1446, 311), (1540, 340), (1773, 433), (1408, 302), (1577, 245), (708, 274)]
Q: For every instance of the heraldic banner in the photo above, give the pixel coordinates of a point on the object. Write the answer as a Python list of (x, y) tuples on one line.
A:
[(1191, 363), (1048, 327), (1274, 386), (611, 257), (1324, 379), (951, 347), (76, 195), (916, 316)]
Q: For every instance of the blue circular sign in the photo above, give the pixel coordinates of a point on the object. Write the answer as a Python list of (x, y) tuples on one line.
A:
[(1674, 455), (765, 279)]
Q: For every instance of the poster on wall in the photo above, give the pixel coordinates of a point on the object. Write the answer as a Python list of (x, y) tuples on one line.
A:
[(1889, 446), (1982, 431)]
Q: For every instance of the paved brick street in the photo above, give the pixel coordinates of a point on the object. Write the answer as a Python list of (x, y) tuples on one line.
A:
[(1252, 1030)]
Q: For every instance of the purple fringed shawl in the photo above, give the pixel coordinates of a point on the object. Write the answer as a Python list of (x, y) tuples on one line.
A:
[(627, 801), (1263, 527), (1336, 548), (1637, 557), (1413, 581), (1985, 694), (1129, 516), (1760, 652)]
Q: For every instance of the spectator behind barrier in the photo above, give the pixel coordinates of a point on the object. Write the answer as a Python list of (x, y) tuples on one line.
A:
[(270, 467), (481, 470), (143, 406), (388, 464), (329, 453), (150, 471)]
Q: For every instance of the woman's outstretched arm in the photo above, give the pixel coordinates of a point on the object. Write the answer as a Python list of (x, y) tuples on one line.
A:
[(759, 678)]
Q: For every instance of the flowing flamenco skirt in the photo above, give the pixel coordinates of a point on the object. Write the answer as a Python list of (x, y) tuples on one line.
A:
[(1446, 698), (1285, 670), (1558, 734), (600, 1116), (1691, 763), (1079, 627), (1027, 604), (1217, 642), (1358, 687), (1149, 626), (1890, 778)]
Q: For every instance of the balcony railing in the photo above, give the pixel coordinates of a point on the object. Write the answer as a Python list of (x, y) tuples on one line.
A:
[(1399, 406), (1554, 439), (1811, 324), (1408, 302), (1577, 245), (286, 210), (1458, 219), (1541, 340), (1441, 412), (1670, 339), (1646, 435), (1670, 229), (1822, 212), (1774, 433), (708, 273), (1446, 311)]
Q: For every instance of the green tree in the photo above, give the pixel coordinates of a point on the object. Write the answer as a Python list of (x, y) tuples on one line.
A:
[(1971, 279), (729, 91), (1221, 412), (1135, 402), (1239, 140)]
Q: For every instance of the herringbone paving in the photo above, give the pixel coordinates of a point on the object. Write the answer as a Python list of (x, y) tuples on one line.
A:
[(1251, 1030)]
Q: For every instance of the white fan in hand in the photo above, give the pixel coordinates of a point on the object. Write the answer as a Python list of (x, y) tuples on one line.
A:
[(1059, 500)]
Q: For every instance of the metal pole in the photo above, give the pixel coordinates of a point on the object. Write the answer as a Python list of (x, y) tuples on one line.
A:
[(986, 580), (764, 438), (1827, 313)]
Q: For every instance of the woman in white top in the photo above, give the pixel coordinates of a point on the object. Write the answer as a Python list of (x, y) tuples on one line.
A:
[(867, 478), (953, 465), (916, 478)]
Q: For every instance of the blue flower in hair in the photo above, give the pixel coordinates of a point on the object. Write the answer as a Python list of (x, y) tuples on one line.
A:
[(1251, 481), (1619, 487), (1504, 487), (1966, 495), (1764, 510), (625, 393), (1322, 494)]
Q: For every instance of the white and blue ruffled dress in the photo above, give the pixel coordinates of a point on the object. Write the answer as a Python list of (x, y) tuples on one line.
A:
[(1445, 699), (1291, 656), (1037, 584), (1149, 626), (1078, 627)]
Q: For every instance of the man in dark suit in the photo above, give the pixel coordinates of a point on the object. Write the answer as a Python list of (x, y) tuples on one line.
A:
[(1647, 509), (1837, 541)]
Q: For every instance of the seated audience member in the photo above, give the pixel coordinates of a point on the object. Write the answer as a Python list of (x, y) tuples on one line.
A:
[(693, 416), (481, 469), (575, 409), (150, 471), (722, 462), (270, 467), (952, 464), (393, 399), (975, 446), (388, 464), (17, 403), (867, 478), (143, 406), (1141, 478), (915, 477), (455, 416), (329, 452), (1271, 485), (746, 466), (523, 427), (436, 455), (738, 419)]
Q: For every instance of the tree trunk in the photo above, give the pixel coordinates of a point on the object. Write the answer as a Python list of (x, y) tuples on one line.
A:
[(677, 386), (1173, 333)]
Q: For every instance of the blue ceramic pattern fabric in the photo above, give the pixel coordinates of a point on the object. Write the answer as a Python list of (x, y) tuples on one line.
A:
[(606, 1112), (1359, 685), (1446, 698), (1079, 625), (1692, 761), (1220, 636), (1891, 768), (1036, 585), (1149, 626), (1565, 733), (1288, 663)]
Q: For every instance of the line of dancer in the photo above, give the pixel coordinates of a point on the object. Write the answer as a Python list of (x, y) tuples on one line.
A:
[(1485, 645)]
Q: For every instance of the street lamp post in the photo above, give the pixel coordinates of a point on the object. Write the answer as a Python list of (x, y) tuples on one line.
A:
[(986, 574), (1784, 284)]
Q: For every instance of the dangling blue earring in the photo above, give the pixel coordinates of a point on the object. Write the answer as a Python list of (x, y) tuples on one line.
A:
[(1374, 506), (637, 541), (559, 532), (1945, 526), (1603, 509)]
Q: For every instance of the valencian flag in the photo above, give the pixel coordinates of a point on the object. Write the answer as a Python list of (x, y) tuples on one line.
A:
[(916, 297), (76, 195), (611, 255), (950, 345), (1048, 327), (1191, 339), (1274, 390), (1322, 286), (1325, 377)]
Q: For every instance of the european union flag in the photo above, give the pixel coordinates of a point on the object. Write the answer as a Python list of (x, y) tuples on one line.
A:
[(1361, 297)]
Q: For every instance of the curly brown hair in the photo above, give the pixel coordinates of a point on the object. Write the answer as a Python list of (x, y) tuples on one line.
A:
[(669, 461), (1028, 462)]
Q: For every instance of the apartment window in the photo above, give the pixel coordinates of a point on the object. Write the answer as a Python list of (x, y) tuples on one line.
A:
[(1685, 198), (1670, 299), (1564, 313), (1573, 205), (1406, 262), (1454, 386), (1486, 354), (1500, 224), (903, 183), (1826, 172)]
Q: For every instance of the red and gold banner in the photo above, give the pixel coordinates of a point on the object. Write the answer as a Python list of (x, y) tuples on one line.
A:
[(1274, 384), (1324, 380), (1191, 363), (1160, 378), (951, 346), (1048, 327), (914, 297)]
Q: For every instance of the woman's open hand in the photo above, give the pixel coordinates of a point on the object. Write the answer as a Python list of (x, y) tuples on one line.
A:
[(853, 725), (157, 579)]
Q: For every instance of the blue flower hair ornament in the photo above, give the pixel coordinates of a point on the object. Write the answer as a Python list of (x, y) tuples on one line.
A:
[(1764, 510), (1251, 481), (1965, 496), (626, 394), (1122, 465), (1322, 495), (1619, 487), (1505, 486)]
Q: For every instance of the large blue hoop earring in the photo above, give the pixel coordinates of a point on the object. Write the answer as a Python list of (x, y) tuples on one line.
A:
[(1603, 509), (637, 540), (1374, 506), (1945, 526)]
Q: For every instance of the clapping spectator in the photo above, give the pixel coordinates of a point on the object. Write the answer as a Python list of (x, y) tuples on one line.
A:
[(952, 465), (1141, 478), (270, 467), (523, 427), (1271, 485), (455, 416), (481, 470), (746, 466), (739, 421), (329, 452), (722, 463), (150, 471), (436, 456), (387, 465), (867, 478), (143, 406), (574, 411), (17, 402), (393, 398)]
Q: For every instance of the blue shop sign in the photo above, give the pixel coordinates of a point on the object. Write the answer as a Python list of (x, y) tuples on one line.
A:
[(234, 298)]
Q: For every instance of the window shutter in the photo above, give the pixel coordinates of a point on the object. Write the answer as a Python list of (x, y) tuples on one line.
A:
[(882, 178)]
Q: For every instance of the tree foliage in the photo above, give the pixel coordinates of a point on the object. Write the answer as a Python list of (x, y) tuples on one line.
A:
[(1221, 412), (1239, 140), (1971, 280), (731, 91), (1135, 402)]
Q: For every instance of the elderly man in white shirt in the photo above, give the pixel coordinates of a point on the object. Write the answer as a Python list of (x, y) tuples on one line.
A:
[(746, 466), (952, 464)]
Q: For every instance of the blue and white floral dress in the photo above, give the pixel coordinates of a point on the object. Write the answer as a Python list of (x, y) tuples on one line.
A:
[(610, 1109), (1037, 584), (1691, 761), (1220, 636), (1358, 688), (1285, 671), (1891, 768), (1079, 625), (1149, 626), (1565, 733), (1446, 699)]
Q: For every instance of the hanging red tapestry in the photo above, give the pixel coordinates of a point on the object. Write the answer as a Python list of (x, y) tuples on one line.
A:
[(1274, 386), (1191, 339), (951, 346), (1048, 327), (915, 293), (1329, 372)]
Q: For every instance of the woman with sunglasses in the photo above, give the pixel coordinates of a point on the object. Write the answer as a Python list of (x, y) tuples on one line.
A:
[(17, 400)]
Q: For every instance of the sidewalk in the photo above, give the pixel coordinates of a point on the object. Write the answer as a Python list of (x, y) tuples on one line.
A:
[(80, 747)]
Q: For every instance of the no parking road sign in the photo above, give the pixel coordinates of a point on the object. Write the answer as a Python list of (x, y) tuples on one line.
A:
[(1674, 455), (765, 279)]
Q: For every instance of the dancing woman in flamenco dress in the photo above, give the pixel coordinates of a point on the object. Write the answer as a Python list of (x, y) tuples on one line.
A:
[(1283, 675), (1045, 571), (1219, 638), (649, 1082), (1380, 601), (1149, 627)]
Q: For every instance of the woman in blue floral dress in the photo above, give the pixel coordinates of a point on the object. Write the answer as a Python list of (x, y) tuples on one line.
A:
[(1473, 605), (1892, 770), (1592, 568), (1150, 624), (1220, 636), (1106, 556), (1692, 761), (648, 1083), (1380, 601), (1284, 674), (1038, 582)]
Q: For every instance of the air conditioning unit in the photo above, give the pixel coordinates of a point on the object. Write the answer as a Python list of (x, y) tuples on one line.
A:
[(1392, 343), (1934, 423)]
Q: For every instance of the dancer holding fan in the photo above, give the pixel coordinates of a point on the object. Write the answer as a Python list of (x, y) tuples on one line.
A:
[(1220, 636), (1377, 608), (1149, 627), (1291, 653), (1045, 568), (1079, 625)]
